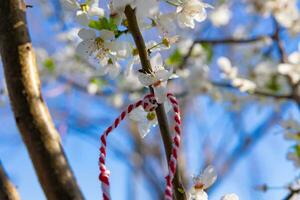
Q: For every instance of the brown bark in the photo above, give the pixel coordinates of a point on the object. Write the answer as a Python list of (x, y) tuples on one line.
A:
[(7, 190), (31, 113), (179, 193)]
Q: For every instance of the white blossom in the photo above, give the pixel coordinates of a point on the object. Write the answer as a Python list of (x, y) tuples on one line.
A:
[(221, 16), (92, 88), (84, 11), (91, 45), (202, 182), (103, 48), (263, 72), (285, 11), (231, 73), (292, 68), (157, 78), (143, 8), (110, 66), (146, 120), (190, 11), (294, 157), (198, 195), (244, 85), (230, 197), (165, 24), (291, 129)]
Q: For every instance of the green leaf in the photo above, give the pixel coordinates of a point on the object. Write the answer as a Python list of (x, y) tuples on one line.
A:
[(49, 65), (273, 84), (99, 82), (95, 24), (297, 150), (209, 51), (176, 58), (104, 24)]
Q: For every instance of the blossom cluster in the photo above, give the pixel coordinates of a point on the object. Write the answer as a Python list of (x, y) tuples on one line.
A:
[(292, 132), (285, 12), (105, 40), (231, 73), (202, 182)]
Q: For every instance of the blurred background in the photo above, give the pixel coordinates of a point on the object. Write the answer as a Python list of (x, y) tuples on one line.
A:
[(241, 134)]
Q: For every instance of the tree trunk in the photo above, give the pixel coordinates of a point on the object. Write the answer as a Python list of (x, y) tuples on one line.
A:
[(31, 113)]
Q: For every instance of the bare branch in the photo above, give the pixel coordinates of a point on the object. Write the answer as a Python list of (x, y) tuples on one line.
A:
[(255, 92), (233, 41), (291, 194), (224, 41), (7, 190)]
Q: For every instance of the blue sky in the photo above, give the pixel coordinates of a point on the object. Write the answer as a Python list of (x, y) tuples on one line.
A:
[(264, 163)]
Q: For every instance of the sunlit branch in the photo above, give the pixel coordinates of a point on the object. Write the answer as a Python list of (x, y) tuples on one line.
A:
[(7, 190), (31, 113)]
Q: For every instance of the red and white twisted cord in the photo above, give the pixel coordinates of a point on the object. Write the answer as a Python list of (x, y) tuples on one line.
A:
[(175, 147), (149, 104)]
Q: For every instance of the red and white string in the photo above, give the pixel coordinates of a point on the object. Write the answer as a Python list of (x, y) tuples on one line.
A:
[(149, 104), (175, 147)]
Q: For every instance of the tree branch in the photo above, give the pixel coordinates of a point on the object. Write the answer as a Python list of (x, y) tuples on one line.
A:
[(160, 111), (7, 190), (255, 92), (224, 41), (233, 40), (31, 113), (291, 194)]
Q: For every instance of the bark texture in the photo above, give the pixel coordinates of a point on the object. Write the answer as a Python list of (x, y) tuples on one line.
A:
[(31, 113), (7, 190), (179, 192)]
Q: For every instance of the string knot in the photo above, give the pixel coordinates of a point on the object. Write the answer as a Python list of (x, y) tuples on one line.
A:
[(149, 103)]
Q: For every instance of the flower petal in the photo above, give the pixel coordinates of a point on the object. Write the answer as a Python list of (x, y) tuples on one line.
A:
[(144, 129), (146, 79), (82, 18), (70, 4), (163, 75), (185, 21), (230, 197), (86, 34), (107, 35), (138, 114), (114, 70), (156, 62), (96, 11), (85, 48), (208, 177), (160, 92)]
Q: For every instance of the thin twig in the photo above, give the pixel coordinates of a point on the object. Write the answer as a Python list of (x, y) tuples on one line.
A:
[(224, 41), (233, 41), (255, 92)]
